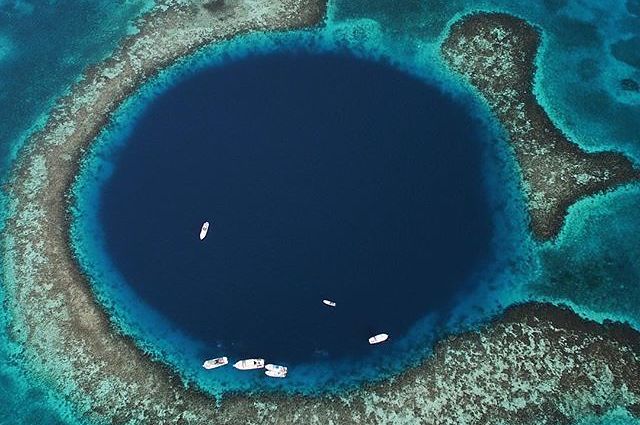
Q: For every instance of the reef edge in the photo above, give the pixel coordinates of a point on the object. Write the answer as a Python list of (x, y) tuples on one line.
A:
[(496, 53), (536, 363)]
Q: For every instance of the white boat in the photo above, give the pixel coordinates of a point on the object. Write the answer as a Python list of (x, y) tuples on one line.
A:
[(329, 303), (275, 373), (377, 339), (276, 367), (249, 364), (214, 363), (204, 230), (275, 370)]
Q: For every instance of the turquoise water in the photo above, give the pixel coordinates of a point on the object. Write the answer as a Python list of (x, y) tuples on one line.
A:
[(44, 46), (593, 266)]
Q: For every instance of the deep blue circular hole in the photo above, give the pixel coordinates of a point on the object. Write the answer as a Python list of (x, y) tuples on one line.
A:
[(323, 176)]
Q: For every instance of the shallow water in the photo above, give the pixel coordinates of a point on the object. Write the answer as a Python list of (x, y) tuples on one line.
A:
[(44, 47), (579, 83)]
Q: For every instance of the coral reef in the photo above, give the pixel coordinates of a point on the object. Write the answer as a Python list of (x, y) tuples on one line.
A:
[(536, 363), (69, 340), (496, 54)]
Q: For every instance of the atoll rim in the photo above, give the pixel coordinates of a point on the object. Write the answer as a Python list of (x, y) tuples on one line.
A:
[(542, 326)]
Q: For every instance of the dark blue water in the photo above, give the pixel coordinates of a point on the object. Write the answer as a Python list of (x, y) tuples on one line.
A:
[(324, 176)]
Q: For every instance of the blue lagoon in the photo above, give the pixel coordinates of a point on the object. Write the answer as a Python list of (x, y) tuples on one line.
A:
[(323, 176)]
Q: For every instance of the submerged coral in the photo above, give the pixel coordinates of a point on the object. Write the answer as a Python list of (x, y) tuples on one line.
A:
[(496, 53), (537, 363)]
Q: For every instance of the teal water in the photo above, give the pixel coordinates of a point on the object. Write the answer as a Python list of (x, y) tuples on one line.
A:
[(44, 47), (589, 48)]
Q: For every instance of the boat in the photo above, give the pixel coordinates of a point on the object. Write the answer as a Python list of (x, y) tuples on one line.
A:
[(249, 364), (214, 363), (276, 373), (377, 339), (329, 303), (204, 230), (276, 367)]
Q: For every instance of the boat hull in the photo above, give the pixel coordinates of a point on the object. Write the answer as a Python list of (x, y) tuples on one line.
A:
[(203, 230), (249, 364), (275, 373), (377, 339), (276, 367), (215, 363)]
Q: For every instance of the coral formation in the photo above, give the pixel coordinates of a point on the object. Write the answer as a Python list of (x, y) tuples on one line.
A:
[(536, 363), (496, 54)]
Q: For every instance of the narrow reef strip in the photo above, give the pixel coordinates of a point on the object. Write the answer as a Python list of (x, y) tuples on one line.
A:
[(537, 363), (496, 53)]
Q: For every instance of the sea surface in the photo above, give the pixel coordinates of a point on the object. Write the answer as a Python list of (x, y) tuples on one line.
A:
[(590, 48), (323, 175)]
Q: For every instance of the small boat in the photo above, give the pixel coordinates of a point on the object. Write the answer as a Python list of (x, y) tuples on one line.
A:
[(249, 364), (276, 373), (377, 339), (329, 303), (214, 363), (276, 367), (204, 230)]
